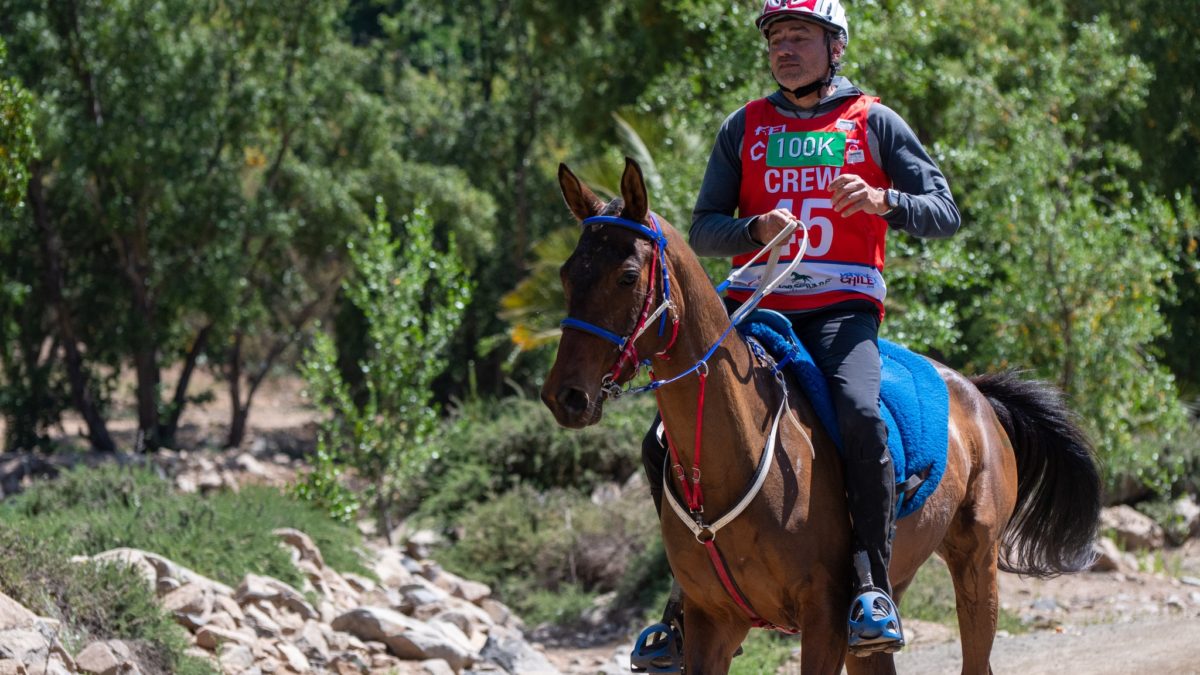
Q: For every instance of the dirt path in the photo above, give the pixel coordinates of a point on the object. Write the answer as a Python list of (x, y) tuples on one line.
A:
[(1097, 623), (1158, 645)]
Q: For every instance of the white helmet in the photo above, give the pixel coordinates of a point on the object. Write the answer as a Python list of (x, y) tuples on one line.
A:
[(828, 13)]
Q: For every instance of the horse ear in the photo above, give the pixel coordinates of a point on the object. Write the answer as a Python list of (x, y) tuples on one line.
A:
[(582, 201), (633, 191)]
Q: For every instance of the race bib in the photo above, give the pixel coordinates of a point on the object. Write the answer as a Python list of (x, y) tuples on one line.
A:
[(806, 148)]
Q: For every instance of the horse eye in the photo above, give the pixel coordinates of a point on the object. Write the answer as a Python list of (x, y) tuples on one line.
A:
[(629, 278)]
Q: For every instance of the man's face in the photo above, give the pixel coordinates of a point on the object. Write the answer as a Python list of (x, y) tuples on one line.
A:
[(797, 52)]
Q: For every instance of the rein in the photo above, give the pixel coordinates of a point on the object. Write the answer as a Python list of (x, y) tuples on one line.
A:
[(693, 517)]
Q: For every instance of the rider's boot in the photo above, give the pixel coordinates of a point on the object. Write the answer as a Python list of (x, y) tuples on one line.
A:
[(874, 620)]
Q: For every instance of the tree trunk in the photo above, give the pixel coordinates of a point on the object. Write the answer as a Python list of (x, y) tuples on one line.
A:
[(233, 372), (179, 402), (54, 277)]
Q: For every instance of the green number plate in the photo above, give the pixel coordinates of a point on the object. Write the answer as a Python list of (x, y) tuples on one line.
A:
[(816, 148)]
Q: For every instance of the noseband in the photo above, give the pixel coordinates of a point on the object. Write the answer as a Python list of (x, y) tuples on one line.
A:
[(628, 352)]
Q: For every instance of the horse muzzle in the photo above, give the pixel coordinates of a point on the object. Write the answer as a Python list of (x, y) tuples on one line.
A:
[(572, 407)]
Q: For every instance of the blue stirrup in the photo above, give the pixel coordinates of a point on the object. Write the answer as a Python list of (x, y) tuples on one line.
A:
[(874, 624)]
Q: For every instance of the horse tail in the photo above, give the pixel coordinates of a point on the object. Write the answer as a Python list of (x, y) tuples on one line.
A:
[(1058, 480)]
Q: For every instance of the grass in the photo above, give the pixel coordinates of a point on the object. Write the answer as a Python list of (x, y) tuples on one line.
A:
[(93, 602), (222, 536), (931, 598), (86, 511)]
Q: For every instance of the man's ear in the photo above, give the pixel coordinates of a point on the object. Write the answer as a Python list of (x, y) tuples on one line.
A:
[(582, 201), (633, 191)]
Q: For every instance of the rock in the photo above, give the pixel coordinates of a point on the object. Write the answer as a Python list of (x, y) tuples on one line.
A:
[(413, 596), (11, 667), (236, 658), (302, 544), (408, 638), (420, 543), (1109, 558), (262, 624), (437, 667), (190, 604), (224, 603), (359, 583), (517, 656), (390, 568), (14, 615), (294, 658), (499, 612), (1188, 512), (255, 588), (27, 645), (154, 566), (211, 637), (312, 641), (1132, 529), (108, 657), (471, 591)]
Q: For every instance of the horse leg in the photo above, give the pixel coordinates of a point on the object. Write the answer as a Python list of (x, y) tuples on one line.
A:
[(823, 635), (708, 645), (971, 556)]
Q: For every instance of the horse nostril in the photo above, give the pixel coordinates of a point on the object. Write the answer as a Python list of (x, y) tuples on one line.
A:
[(573, 400)]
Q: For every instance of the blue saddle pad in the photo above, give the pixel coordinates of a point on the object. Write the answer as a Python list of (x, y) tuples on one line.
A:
[(914, 401)]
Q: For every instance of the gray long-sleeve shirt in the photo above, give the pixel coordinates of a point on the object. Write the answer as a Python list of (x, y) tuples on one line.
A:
[(926, 207)]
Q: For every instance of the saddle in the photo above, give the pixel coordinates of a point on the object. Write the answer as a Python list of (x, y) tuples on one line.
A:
[(914, 403)]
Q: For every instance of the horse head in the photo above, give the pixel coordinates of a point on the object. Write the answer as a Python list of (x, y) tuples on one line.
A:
[(611, 282)]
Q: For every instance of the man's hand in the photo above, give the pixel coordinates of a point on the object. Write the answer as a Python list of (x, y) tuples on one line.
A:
[(764, 228), (851, 194)]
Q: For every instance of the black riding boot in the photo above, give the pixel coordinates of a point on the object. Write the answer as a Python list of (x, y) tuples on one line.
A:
[(871, 493), (874, 618)]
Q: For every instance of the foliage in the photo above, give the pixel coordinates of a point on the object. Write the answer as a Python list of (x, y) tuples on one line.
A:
[(552, 541), (411, 296), (93, 601), (324, 486), (489, 447), (17, 144), (223, 536)]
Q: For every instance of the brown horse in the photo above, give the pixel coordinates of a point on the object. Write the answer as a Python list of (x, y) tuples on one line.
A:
[(1020, 491)]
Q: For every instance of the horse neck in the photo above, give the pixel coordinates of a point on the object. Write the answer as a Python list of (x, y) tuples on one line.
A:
[(735, 398)]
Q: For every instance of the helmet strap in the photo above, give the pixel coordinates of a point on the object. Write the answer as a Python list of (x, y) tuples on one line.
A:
[(818, 84)]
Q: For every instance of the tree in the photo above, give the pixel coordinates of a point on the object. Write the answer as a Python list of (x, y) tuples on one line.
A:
[(412, 296)]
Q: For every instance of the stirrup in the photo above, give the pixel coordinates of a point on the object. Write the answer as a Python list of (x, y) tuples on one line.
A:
[(874, 624), (659, 649)]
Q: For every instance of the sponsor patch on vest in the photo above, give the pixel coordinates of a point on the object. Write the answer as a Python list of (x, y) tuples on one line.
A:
[(845, 125), (856, 157), (814, 148)]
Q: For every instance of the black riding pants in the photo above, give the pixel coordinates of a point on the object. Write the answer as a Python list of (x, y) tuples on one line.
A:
[(844, 345)]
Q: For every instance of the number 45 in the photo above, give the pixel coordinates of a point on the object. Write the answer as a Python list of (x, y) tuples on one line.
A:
[(817, 245)]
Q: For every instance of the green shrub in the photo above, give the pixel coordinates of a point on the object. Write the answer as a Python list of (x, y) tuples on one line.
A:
[(93, 601), (489, 447), (411, 296), (222, 536), (525, 544)]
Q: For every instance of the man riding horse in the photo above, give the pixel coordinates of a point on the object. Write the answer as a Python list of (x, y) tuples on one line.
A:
[(850, 168)]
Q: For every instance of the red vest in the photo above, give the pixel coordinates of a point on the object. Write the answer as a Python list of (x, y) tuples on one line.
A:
[(789, 163)]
